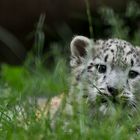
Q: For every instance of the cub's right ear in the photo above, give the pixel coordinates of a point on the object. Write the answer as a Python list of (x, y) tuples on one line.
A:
[(79, 47)]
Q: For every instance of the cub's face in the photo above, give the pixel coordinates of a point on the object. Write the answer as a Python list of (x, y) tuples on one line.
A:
[(106, 70)]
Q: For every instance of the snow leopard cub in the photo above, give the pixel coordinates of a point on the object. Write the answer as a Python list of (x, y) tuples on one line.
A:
[(107, 71)]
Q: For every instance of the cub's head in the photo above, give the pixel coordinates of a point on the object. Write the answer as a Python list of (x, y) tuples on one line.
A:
[(106, 71)]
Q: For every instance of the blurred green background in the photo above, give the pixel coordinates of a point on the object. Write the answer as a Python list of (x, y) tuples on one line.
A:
[(62, 19)]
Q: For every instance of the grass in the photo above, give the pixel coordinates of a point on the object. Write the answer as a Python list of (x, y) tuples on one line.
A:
[(21, 85)]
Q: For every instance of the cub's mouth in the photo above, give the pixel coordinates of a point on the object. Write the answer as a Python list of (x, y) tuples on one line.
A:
[(107, 99), (118, 99)]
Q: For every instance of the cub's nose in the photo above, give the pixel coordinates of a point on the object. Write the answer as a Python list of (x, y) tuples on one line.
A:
[(113, 91)]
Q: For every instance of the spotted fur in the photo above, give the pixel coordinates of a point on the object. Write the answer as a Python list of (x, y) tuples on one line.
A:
[(108, 70)]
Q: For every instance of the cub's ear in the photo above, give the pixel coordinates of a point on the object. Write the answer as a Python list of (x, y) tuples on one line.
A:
[(138, 48), (79, 46), (79, 50)]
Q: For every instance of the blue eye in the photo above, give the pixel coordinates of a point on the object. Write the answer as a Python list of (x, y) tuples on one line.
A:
[(101, 68), (133, 74)]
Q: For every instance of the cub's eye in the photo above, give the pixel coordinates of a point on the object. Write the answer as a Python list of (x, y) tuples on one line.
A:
[(101, 68), (133, 74)]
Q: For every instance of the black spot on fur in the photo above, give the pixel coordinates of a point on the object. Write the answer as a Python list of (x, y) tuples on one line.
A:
[(89, 67), (112, 50), (104, 77), (132, 62), (106, 57), (130, 52), (91, 64), (111, 41), (127, 81), (106, 49), (134, 55)]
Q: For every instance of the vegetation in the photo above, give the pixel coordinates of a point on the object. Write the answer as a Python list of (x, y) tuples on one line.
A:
[(20, 86)]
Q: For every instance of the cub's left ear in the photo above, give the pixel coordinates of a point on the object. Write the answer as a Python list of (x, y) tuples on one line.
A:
[(138, 49), (79, 46)]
